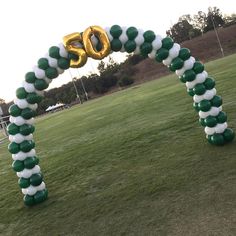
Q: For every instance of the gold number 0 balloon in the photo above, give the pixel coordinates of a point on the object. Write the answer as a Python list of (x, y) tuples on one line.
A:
[(70, 41), (102, 36)]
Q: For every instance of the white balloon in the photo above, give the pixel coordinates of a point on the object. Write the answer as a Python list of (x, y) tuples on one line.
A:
[(33, 106), (198, 98), (137, 50), (123, 37), (152, 54), (19, 156), (214, 111), (59, 71), (24, 191), (200, 78), (157, 43), (18, 138), (26, 173), (29, 137), (21, 103), (19, 175), (31, 190), (107, 29), (19, 120), (62, 51), (167, 61), (36, 169), (30, 121), (220, 128), (39, 73), (139, 40), (12, 119), (10, 137), (41, 187), (52, 62), (209, 130), (174, 51), (29, 88), (209, 94), (31, 153), (40, 93)]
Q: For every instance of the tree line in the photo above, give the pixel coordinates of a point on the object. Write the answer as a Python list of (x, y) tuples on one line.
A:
[(189, 26)]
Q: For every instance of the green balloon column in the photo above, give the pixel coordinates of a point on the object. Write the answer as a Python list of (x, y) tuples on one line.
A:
[(97, 43)]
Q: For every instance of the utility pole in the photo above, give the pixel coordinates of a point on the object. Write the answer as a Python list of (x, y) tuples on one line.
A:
[(217, 36), (76, 90)]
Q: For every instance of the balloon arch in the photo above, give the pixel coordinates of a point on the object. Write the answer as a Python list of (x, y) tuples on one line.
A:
[(97, 43)]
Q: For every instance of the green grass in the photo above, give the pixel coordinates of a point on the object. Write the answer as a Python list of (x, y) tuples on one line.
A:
[(135, 162)]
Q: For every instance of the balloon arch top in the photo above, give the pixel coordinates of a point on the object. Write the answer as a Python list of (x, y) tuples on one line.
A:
[(97, 43)]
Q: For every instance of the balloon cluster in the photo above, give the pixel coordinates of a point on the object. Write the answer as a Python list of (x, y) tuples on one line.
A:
[(98, 43)]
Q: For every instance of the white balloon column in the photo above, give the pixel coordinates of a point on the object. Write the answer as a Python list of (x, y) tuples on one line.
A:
[(97, 43)]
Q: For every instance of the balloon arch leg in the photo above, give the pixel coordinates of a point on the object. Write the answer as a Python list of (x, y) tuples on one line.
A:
[(97, 43)]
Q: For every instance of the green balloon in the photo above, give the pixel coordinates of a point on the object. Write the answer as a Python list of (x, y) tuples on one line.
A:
[(195, 106), (216, 101), (18, 165), (23, 182), (190, 92), (209, 83), (30, 77), (13, 129), (217, 139), (36, 179), (210, 121), (36, 160), (183, 80), (149, 36), (40, 84), (204, 105), (51, 73), (63, 63), (130, 46), (189, 75), (132, 33), (30, 162), (26, 146), (33, 98), (201, 121), (116, 45), (43, 63), (184, 54), (228, 135), (176, 64), (116, 31), (167, 43), (29, 200), (145, 48), (54, 52), (25, 129), (209, 139), (198, 67), (222, 117), (21, 93), (40, 196), (14, 110), (13, 148), (27, 113), (161, 54), (199, 89)]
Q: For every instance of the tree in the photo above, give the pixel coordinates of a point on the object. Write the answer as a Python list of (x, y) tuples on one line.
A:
[(2, 101), (199, 21), (214, 17)]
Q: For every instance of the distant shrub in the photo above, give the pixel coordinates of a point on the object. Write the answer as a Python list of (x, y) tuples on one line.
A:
[(124, 81)]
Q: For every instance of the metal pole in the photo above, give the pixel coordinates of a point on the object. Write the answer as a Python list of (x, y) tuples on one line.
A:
[(76, 90), (217, 36), (82, 83)]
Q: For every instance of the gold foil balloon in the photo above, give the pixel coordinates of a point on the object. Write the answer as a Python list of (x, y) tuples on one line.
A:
[(102, 36), (69, 42)]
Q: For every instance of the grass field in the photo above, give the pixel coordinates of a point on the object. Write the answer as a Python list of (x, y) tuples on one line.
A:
[(135, 162)]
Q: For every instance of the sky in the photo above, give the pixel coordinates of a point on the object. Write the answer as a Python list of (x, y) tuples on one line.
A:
[(29, 28)]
